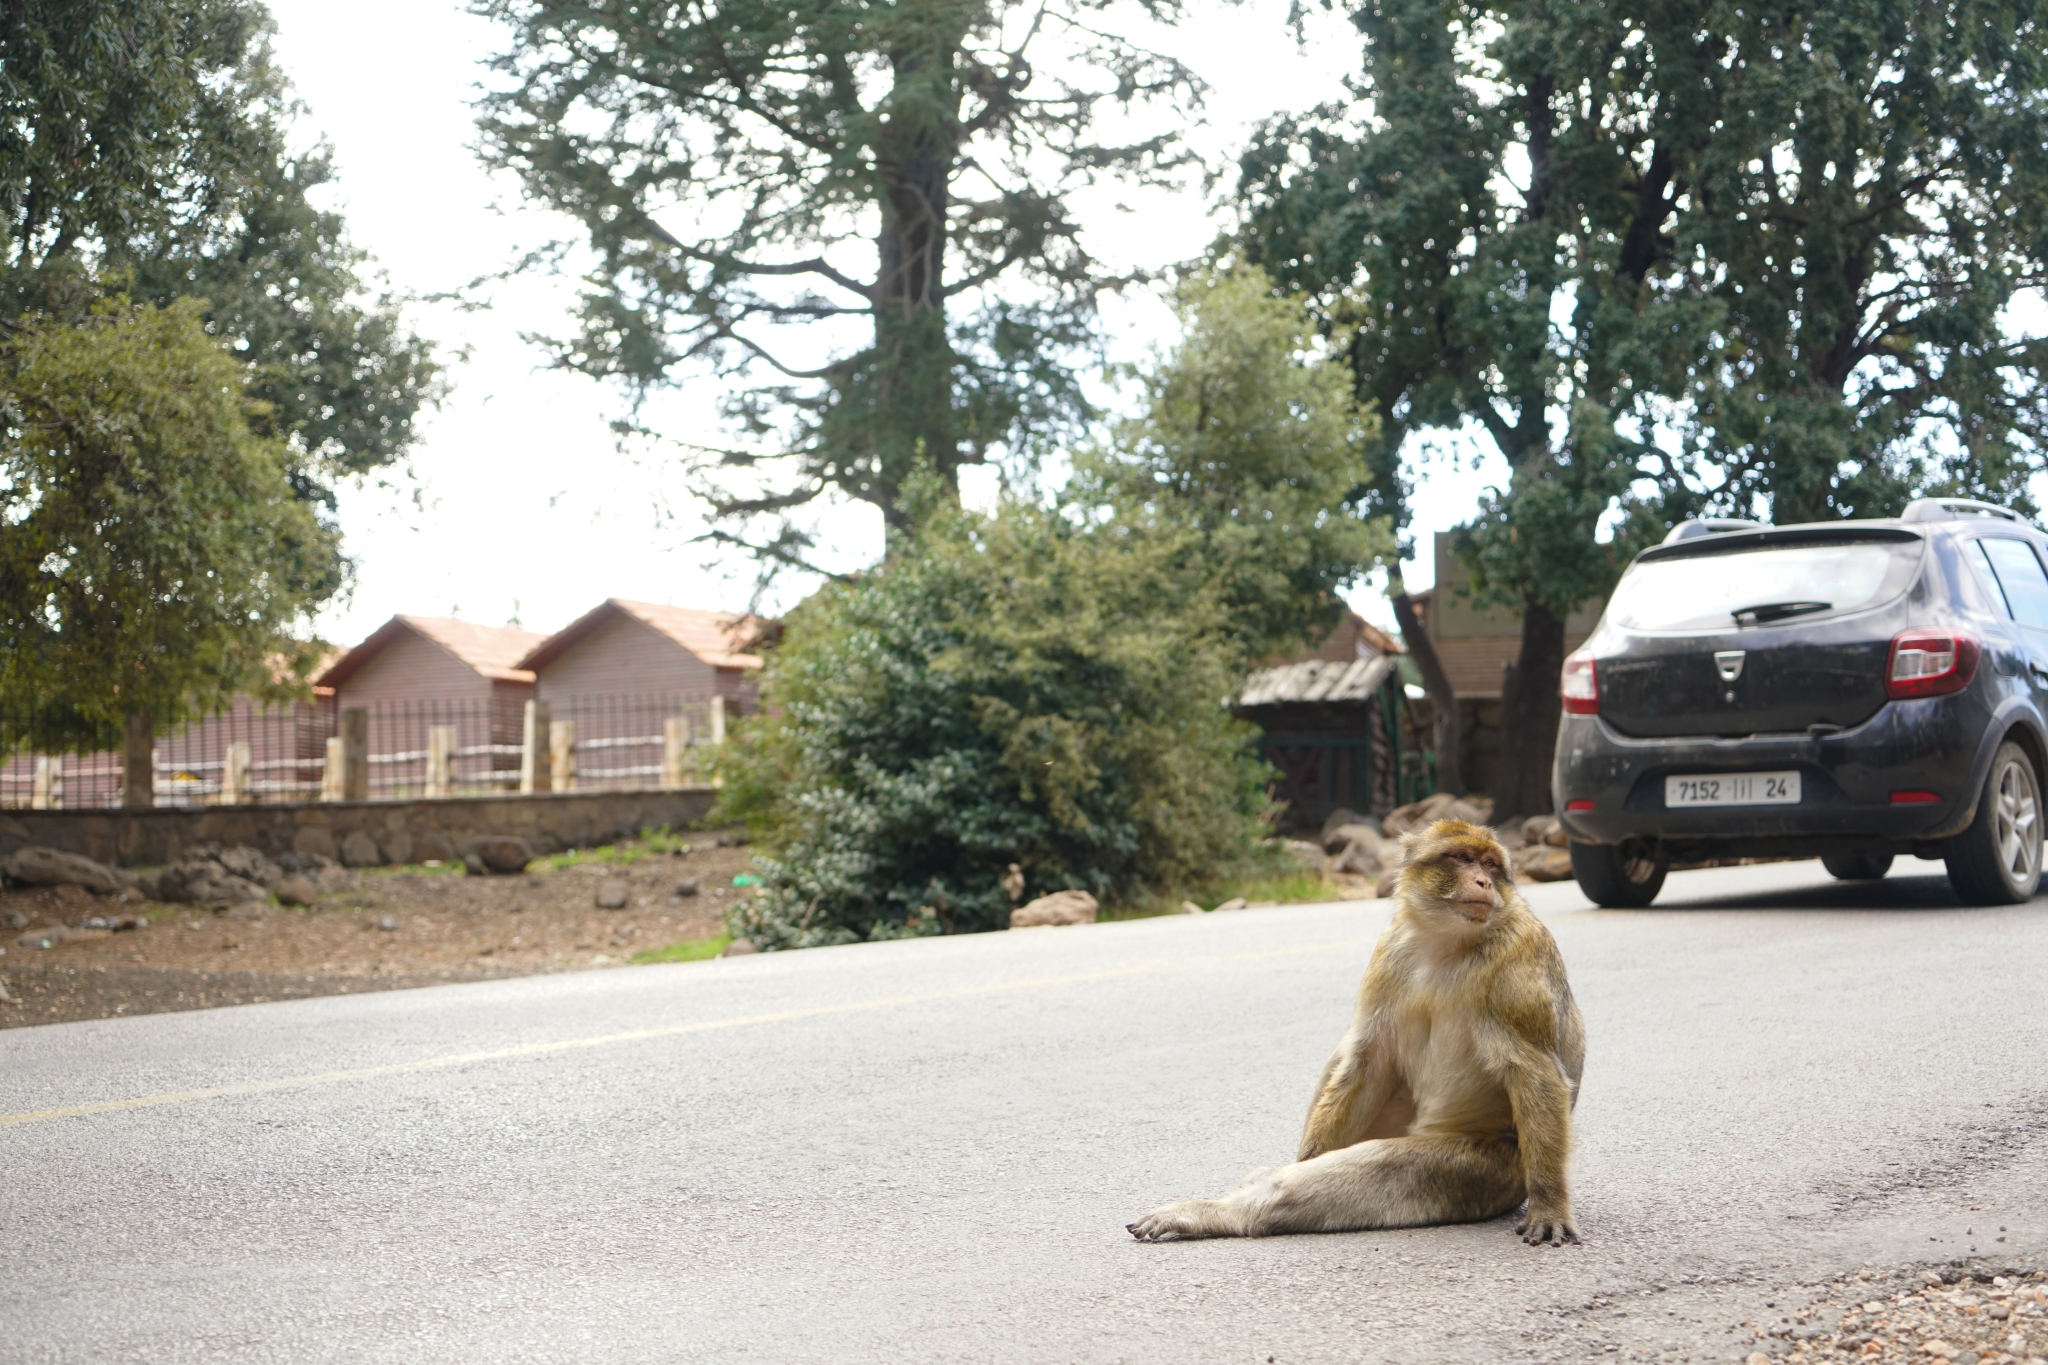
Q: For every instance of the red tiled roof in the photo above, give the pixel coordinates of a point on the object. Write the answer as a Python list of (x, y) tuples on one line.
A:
[(493, 651), (720, 638)]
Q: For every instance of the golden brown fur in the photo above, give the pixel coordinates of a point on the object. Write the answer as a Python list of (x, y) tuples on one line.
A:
[(1449, 1099)]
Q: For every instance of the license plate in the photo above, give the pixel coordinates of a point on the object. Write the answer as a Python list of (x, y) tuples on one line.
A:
[(1733, 789)]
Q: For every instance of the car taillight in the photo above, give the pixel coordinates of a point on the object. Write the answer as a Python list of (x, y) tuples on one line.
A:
[(1580, 685), (1927, 663)]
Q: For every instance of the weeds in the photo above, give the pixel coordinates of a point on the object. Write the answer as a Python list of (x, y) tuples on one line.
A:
[(689, 950)]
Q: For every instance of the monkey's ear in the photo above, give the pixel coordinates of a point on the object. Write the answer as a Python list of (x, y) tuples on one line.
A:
[(1411, 846)]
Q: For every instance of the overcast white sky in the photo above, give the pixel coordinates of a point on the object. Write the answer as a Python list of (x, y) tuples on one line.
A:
[(518, 505)]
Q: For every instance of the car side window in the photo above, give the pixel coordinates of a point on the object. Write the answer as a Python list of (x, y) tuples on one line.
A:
[(2020, 576)]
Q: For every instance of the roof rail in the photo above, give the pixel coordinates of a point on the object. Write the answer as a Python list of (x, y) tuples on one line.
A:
[(1709, 526), (1956, 509)]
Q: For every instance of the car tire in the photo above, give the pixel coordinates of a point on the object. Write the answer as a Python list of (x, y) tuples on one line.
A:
[(1623, 876), (1857, 867), (1997, 860)]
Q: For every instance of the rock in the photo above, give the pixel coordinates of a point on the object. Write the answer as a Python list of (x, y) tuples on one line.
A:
[(1543, 863), (389, 924), (241, 861), (315, 840), (1013, 882), (501, 854), (40, 866), (5, 998), (433, 848), (201, 881), (1061, 907), (360, 850), (689, 886), (1388, 884), (1340, 837), (1471, 812), (1341, 817), (1190, 908), (739, 947), (16, 919), (1404, 819), (612, 894), (1308, 856), (47, 937), (1757, 1358), (1234, 903), (1360, 860), (1934, 1347), (69, 895), (297, 891)]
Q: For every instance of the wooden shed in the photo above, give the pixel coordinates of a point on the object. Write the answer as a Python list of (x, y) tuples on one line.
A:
[(647, 649)]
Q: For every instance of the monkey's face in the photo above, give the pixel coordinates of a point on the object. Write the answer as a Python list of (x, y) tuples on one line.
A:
[(1459, 866)]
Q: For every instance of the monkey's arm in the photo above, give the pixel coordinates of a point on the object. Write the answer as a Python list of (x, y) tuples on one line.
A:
[(1541, 1098), (1357, 1082)]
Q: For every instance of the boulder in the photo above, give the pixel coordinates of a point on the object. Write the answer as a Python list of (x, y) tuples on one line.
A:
[(1061, 907), (1404, 819), (360, 850), (1341, 817), (1471, 812), (1543, 863), (689, 886), (433, 848), (1308, 856), (1190, 908), (1234, 903), (1360, 860), (612, 894), (499, 854), (215, 877), (739, 947), (240, 861), (40, 866), (1340, 837), (297, 891)]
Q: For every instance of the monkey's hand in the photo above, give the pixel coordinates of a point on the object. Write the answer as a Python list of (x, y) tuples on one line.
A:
[(1551, 1225)]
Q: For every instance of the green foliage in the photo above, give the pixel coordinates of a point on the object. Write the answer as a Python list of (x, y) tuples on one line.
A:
[(144, 144), (688, 950), (1780, 244), (1048, 686), (1253, 456), (782, 142), (153, 553)]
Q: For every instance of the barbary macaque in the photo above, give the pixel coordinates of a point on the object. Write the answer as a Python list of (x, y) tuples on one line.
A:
[(1450, 1098)]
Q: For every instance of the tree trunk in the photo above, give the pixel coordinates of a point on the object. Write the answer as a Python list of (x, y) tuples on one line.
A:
[(1529, 708), (138, 759), (1450, 767)]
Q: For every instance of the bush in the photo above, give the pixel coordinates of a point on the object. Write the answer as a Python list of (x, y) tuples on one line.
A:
[(1011, 693)]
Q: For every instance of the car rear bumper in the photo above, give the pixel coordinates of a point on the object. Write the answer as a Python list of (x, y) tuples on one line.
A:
[(1847, 783)]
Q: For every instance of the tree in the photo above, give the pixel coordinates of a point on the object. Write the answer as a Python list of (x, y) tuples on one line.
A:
[(727, 161), (155, 560), (1669, 262), (1048, 686), (144, 153)]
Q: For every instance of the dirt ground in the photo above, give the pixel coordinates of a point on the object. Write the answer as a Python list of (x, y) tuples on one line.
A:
[(373, 929)]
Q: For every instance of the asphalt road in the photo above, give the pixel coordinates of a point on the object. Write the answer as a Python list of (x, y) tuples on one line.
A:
[(927, 1151)]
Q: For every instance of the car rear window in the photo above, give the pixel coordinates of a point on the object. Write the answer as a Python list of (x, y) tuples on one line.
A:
[(1801, 582), (2019, 577)]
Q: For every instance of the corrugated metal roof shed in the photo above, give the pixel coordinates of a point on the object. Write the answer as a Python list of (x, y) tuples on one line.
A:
[(1317, 680)]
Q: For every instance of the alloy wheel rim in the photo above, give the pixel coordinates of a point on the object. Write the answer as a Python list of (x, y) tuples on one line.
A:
[(2016, 822)]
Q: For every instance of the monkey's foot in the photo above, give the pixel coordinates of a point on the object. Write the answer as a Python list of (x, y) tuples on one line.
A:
[(1188, 1219), (1538, 1229)]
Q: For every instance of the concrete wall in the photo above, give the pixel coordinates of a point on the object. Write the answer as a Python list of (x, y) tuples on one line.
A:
[(361, 833)]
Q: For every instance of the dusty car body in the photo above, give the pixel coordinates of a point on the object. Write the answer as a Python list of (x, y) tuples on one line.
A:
[(1855, 690)]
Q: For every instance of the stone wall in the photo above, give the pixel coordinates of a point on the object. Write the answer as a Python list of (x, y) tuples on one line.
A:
[(359, 833)]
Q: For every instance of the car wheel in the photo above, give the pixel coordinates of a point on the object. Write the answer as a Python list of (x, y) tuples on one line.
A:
[(1857, 867), (1997, 860), (1623, 876)]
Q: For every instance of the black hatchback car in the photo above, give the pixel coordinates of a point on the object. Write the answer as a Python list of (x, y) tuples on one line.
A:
[(1854, 690)]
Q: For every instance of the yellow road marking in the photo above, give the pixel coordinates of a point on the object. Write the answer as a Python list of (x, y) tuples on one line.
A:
[(640, 1035)]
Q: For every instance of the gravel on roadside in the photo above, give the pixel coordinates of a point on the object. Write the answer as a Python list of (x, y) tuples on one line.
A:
[(1955, 1315)]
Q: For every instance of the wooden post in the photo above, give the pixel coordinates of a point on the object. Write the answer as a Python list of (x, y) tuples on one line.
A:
[(48, 791), (717, 722), (562, 756), (234, 774), (675, 752), (138, 760), (440, 760), (330, 771), (534, 745), (355, 754)]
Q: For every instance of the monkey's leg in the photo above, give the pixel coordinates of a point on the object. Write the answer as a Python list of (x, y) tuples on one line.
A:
[(1386, 1183)]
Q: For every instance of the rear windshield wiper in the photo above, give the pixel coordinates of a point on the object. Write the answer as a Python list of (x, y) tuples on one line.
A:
[(1775, 611)]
